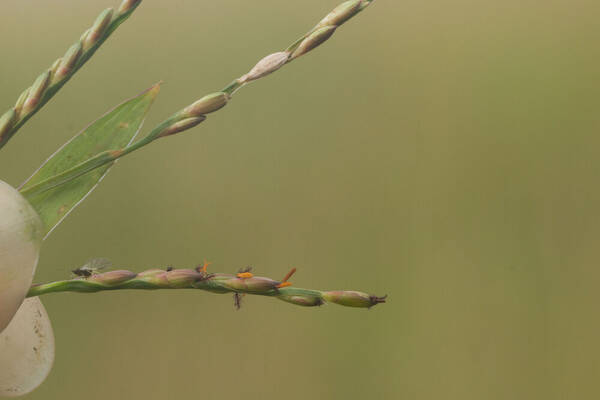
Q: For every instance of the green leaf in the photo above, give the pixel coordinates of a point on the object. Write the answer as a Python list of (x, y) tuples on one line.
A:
[(115, 130)]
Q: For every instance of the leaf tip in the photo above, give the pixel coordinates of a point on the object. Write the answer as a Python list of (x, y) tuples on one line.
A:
[(154, 89)]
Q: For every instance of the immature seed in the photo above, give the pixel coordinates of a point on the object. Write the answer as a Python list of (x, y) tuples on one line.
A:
[(313, 40), (341, 13), (267, 65), (209, 103), (182, 126), (6, 122), (35, 92), (68, 62)]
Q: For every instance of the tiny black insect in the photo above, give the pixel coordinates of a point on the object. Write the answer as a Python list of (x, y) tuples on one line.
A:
[(82, 272)]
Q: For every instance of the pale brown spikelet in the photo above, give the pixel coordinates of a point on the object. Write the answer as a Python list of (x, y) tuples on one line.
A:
[(68, 62), (21, 101), (207, 104), (47, 84), (36, 92), (352, 298), (127, 6), (267, 65), (6, 122), (313, 40), (341, 13), (182, 126), (98, 29)]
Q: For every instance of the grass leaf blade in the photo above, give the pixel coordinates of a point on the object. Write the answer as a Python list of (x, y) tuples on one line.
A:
[(116, 129)]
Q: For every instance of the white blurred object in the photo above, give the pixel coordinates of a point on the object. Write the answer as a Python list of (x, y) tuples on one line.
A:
[(26, 350), (20, 241)]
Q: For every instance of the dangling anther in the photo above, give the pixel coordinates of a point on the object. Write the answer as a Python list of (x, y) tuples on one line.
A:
[(245, 273), (284, 281), (289, 275)]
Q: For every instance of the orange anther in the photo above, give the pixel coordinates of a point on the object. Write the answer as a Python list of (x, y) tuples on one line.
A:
[(284, 284), (244, 275), (205, 265), (289, 275)]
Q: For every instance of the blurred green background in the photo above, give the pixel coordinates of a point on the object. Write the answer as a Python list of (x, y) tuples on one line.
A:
[(444, 153)]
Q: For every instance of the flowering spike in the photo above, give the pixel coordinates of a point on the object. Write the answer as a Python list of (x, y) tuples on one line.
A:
[(215, 283), (267, 65), (195, 113)]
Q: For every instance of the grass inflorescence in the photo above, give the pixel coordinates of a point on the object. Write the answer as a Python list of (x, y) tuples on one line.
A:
[(197, 112), (242, 283), (51, 80)]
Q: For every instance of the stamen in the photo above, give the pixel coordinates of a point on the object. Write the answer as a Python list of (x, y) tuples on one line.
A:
[(204, 266), (289, 275)]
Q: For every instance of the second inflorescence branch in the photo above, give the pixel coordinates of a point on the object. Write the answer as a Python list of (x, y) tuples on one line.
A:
[(196, 112)]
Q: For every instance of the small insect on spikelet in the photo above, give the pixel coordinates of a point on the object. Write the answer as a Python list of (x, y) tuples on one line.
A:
[(92, 267)]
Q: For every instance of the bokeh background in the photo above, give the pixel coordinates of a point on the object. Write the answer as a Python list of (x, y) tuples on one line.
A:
[(444, 153)]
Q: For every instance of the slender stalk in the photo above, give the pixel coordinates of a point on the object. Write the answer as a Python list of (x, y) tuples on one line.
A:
[(196, 112), (198, 278), (51, 80)]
